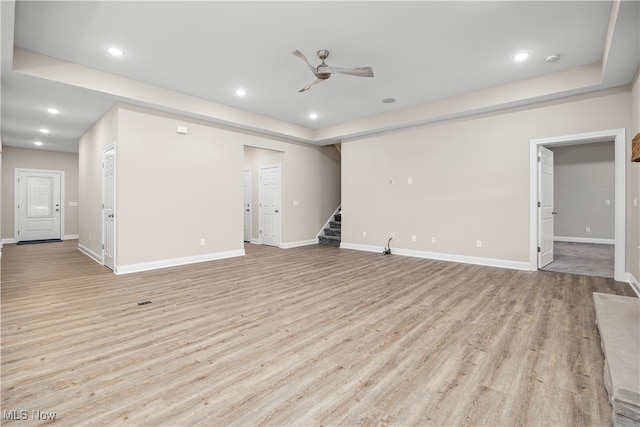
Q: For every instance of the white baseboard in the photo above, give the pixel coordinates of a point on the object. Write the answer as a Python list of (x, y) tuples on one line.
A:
[(584, 240), (290, 245), (635, 284), (91, 254), (174, 262), (10, 240), (489, 262), (255, 241)]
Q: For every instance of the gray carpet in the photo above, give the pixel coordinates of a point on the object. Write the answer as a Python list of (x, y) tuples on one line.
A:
[(587, 259)]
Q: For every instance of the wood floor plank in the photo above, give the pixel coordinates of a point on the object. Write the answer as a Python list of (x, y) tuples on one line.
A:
[(307, 336)]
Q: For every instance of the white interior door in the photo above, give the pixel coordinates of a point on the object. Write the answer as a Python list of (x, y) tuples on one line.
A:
[(38, 205), (108, 209), (545, 210), (270, 205), (247, 204)]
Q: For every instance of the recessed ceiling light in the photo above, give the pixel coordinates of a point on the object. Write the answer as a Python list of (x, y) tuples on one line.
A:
[(553, 58), (241, 92), (313, 116), (115, 51), (38, 143), (389, 100), (53, 110), (43, 130), (521, 56)]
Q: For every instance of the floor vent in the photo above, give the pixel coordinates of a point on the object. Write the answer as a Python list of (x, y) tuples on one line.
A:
[(144, 302)]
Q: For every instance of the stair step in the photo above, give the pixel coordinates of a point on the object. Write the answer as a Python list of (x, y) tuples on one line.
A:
[(335, 224), (333, 232), (338, 217), (329, 240)]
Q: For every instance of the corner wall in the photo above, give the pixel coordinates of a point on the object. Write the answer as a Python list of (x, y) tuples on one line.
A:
[(92, 144), (174, 190)]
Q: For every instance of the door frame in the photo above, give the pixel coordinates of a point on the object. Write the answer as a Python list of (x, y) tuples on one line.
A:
[(16, 198), (102, 210), (260, 168), (618, 136), (245, 171)]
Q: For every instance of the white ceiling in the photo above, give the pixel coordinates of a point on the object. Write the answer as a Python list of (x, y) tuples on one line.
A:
[(421, 52)]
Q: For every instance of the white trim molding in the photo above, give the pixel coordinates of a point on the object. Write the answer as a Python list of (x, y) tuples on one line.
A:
[(584, 240), (298, 244), (635, 284), (175, 262), (487, 262), (620, 145), (91, 254)]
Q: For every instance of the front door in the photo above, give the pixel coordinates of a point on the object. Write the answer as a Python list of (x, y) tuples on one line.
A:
[(270, 205), (545, 210), (38, 205)]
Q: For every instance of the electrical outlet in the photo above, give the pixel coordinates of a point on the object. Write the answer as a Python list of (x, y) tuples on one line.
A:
[(202, 242), (588, 229), (478, 243), (413, 238), (433, 240), (364, 234), (409, 181)]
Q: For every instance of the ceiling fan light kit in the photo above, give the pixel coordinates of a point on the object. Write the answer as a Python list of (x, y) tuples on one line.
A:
[(324, 71)]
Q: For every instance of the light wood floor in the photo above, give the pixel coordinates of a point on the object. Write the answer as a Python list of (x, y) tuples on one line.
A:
[(299, 337)]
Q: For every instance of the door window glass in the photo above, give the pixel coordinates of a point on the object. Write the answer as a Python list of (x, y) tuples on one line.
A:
[(39, 196)]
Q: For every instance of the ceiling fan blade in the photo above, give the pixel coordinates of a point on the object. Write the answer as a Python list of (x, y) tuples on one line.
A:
[(304, 58), (307, 87), (360, 72)]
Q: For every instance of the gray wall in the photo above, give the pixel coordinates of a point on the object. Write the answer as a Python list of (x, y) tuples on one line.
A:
[(583, 182)]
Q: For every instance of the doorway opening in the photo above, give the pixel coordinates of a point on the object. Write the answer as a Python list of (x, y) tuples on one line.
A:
[(618, 138), (584, 191), (262, 226)]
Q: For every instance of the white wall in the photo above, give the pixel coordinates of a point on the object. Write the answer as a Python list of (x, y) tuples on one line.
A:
[(470, 180), (583, 182)]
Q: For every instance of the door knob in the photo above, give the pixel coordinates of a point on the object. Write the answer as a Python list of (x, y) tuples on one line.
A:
[(554, 213), (277, 211)]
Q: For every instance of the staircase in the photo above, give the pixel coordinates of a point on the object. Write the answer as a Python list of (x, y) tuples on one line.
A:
[(332, 234)]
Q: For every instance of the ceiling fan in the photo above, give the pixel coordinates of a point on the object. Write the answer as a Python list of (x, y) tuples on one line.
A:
[(324, 71)]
